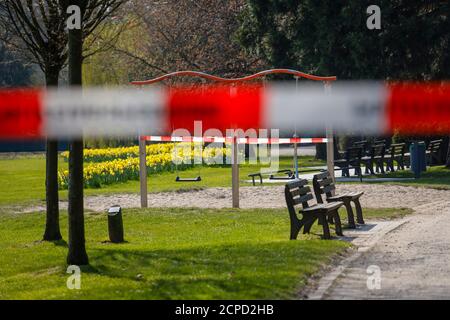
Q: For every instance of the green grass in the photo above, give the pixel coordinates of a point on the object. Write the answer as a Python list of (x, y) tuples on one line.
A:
[(169, 254), (22, 179), (435, 177)]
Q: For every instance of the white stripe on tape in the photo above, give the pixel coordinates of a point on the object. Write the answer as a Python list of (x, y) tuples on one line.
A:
[(101, 112), (353, 107)]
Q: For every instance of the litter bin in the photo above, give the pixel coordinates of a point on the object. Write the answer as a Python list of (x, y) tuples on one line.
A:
[(115, 224), (417, 152)]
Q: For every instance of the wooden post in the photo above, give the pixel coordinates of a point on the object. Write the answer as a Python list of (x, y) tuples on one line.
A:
[(235, 174), (143, 172)]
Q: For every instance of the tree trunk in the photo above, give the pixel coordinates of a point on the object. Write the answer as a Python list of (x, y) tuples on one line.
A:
[(52, 231), (77, 250)]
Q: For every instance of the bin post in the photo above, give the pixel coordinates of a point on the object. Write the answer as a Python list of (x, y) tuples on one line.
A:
[(417, 153), (115, 224)]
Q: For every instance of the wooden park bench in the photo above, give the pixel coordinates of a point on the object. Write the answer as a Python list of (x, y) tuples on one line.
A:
[(323, 185), (434, 152), (254, 175), (364, 144), (396, 153), (289, 174), (352, 160), (379, 141), (297, 192), (375, 157)]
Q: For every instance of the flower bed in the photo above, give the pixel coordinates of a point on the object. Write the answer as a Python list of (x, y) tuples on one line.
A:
[(126, 166), (109, 154)]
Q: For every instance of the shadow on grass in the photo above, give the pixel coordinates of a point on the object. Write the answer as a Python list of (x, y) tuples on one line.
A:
[(60, 243), (262, 270)]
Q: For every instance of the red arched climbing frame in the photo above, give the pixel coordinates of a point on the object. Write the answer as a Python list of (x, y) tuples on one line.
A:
[(235, 167), (261, 74)]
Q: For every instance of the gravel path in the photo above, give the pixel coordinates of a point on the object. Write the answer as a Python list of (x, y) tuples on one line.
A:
[(414, 260), (376, 196)]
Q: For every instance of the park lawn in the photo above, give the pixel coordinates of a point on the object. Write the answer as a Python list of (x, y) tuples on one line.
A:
[(169, 254), (22, 179), (437, 177)]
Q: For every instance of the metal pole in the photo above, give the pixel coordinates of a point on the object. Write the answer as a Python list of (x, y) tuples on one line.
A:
[(235, 174), (330, 141), (295, 158), (143, 172), (295, 136)]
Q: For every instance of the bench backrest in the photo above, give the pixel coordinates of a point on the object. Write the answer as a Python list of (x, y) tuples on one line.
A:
[(323, 184), (362, 144), (397, 149), (297, 192), (435, 146), (378, 150), (353, 155)]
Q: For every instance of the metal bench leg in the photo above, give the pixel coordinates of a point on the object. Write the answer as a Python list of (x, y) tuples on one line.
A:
[(367, 167), (391, 166), (351, 218), (382, 167), (295, 229), (326, 228), (359, 214), (370, 167), (337, 223), (308, 224)]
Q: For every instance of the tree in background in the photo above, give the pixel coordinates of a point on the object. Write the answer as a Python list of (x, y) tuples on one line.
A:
[(94, 12), (331, 38), (13, 72), (36, 29), (174, 35)]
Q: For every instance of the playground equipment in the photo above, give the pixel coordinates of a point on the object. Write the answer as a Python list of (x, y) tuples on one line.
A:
[(235, 166), (198, 178)]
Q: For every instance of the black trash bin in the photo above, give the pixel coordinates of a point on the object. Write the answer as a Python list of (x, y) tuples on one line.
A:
[(115, 224), (417, 151)]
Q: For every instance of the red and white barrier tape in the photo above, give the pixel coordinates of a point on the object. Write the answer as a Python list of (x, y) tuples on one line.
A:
[(368, 108), (230, 140)]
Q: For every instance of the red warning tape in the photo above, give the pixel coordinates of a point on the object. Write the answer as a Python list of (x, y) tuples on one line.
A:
[(367, 108), (419, 108), (20, 113)]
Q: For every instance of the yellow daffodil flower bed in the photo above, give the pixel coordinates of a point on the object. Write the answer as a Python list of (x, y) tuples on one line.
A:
[(126, 164), (108, 154)]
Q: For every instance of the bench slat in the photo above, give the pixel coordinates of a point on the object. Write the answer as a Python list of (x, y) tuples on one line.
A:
[(328, 188), (321, 175), (303, 199), (300, 191), (296, 184), (325, 182)]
